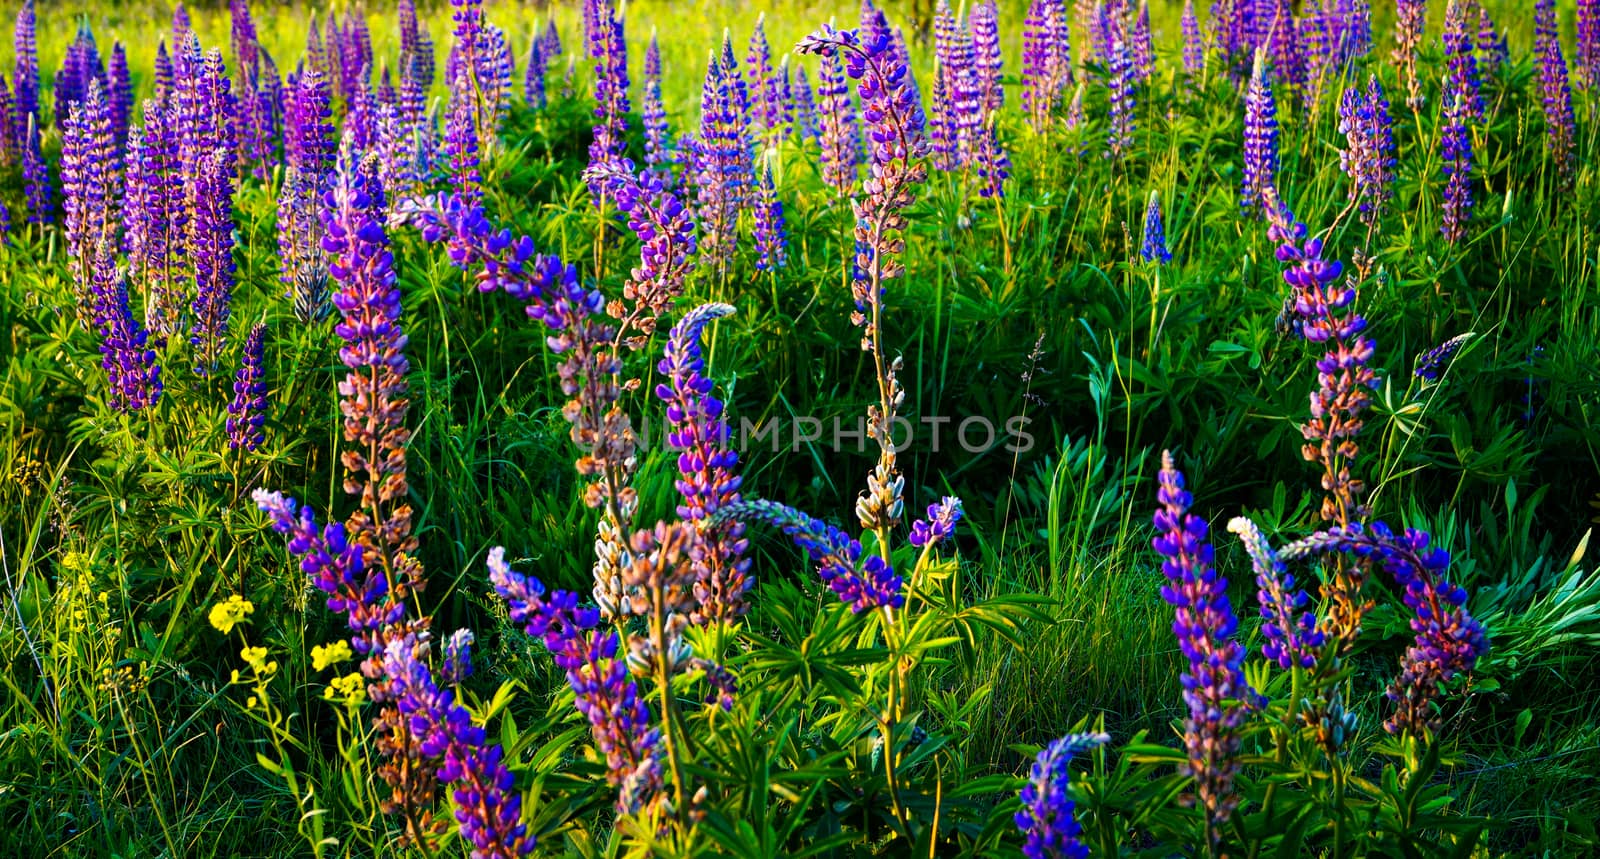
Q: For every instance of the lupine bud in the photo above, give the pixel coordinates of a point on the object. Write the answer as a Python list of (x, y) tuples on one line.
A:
[(247, 411)]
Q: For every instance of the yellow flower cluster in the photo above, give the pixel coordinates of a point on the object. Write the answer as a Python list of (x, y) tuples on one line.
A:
[(323, 656), (350, 689), (230, 612)]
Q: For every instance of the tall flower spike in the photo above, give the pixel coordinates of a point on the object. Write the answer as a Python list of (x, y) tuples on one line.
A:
[(658, 143), (1292, 639), (1119, 138), (771, 232), (1460, 63), (1214, 686), (156, 220), (90, 176), (1560, 129), (609, 50), (25, 74), (1586, 64), (488, 808), (766, 96), (722, 168), (1154, 248), (804, 106), (861, 580), (989, 64), (619, 721), (1046, 819), (36, 176), (247, 412), (1455, 149), (132, 374), (211, 250), (708, 477), (1411, 16), (1368, 158), (837, 125), (1432, 363), (1194, 49), (1260, 141)]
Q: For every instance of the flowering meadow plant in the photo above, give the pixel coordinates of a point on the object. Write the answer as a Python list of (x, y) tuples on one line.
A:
[(576, 429)]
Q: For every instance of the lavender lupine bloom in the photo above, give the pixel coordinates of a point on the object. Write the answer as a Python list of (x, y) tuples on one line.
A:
[(488, 808), (1194, 47), (1046, 61), (1432, 363), (1139, 50), (771, 231), (309, 155), (162, 75), (838, 125), (1369, 154), (132, 374), (1260, 141), (1493, 50), (90, 175), (610, 53), (1586, 62), (1292, 639), (247, 411), (1119, 138), (533, 74), (10, 142), (619, 721), (1448, 640), (462, 146), (242, 35), (36, 176), (1214, 686), (80, 68), (207, 112), (1411, 16), (989, 64), (1154, 248), (119, 94), (994, 165), (157, 222), (766, 93), (665, 231), (940, 524), (861, 580), (1455, 145), (708, 478), (804, 106), (943, 124), (658, 143), (1560, 129), (1462, 67), (25, 74), (211, 250), (1046, 819), (721, 168)]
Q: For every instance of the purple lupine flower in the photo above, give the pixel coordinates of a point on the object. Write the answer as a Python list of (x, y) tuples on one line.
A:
[(157, 221), (766, 94), (1455, 145), (211, 250), (708, 478), (771, 230), (1494, 51), (25, 74), (534, 70), (994, 165), (1462, 67), (242, 36), (10, 136), (838, 125), (1411, 17), (181, 26), (456, 664), (1369, 154), (1194, 47), (804, 106), (1260, 142), (550, 40), (610, 53), (1586, 63), (1046, 61), (940, 524), (658, 143), (863, 583), (1154, 248), (488, 809), (665, 231), (309, 158), (36, 176), (1288, 57), (722, 169), (90, 175), (1119, 139), (1214, 686), (247, 411), (206, 112), (984, 22), (735, 82), (964, 118), (1046, 818), (943, 126), (461, 145), (1432, 363), (80, 68), (1448, 640), (119, 94), (1139, 50), (1292, 639), (132, 374), (163, 75), (1560, 130), (619, 721)]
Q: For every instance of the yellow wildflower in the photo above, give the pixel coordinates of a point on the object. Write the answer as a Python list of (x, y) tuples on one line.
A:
[(230, 612), (323, 656), (350, 689)]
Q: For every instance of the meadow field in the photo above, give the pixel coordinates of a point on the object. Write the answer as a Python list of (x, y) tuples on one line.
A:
[(1041, 428)]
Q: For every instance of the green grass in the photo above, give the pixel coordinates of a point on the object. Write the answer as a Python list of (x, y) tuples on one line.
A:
[(122, 735)]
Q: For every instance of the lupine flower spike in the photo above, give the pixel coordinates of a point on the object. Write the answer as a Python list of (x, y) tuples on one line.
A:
[(247, 412), (1560, 131), (1154, 248), (1046, 818)]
